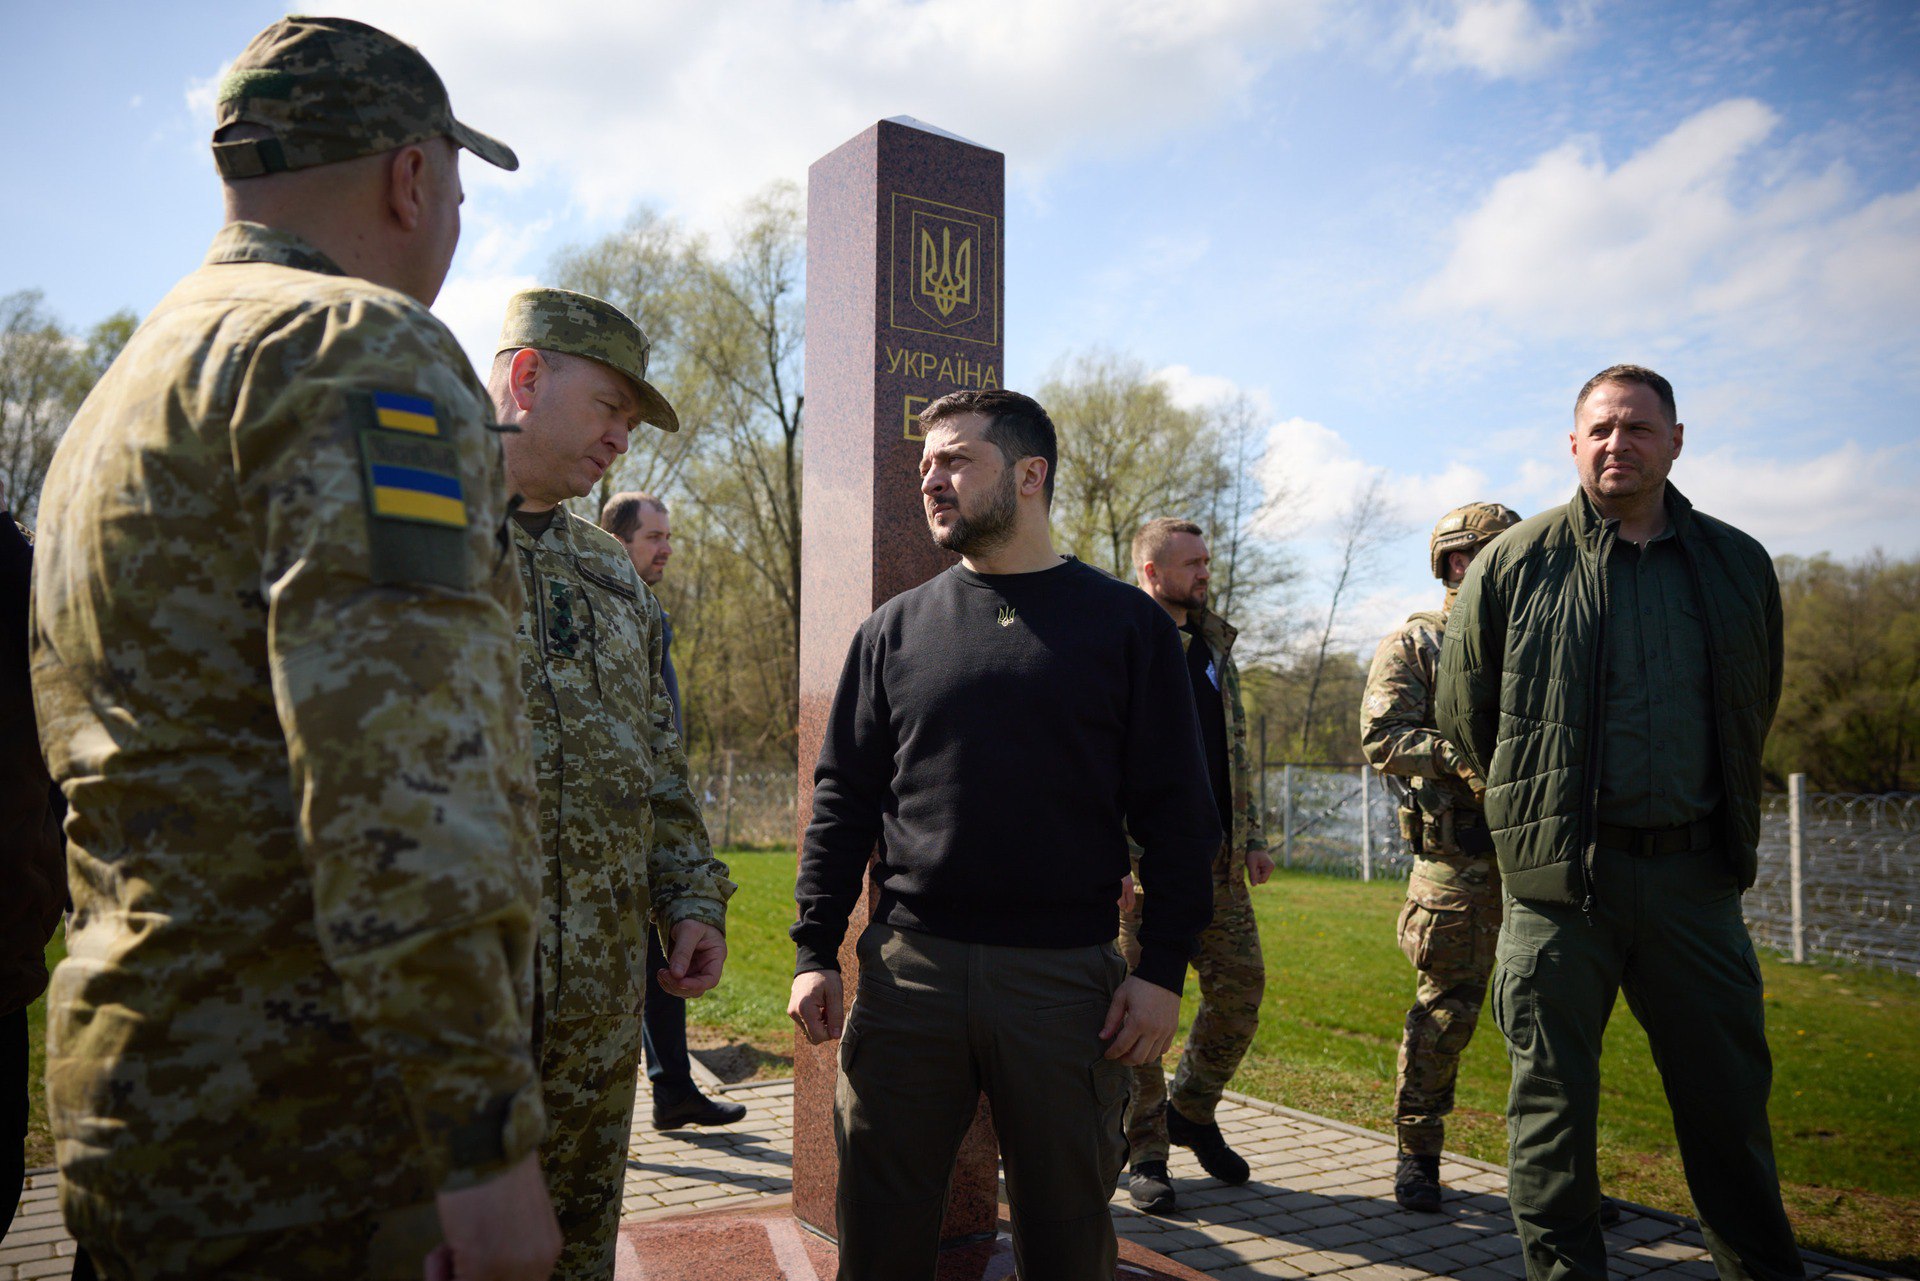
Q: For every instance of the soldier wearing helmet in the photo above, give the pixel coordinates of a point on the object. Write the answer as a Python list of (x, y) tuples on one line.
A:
[(1452, 915)]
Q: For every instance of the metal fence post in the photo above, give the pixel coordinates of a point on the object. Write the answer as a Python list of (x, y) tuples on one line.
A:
[(1796, 852), (726, 803), (1366, 824), (1286, 816)]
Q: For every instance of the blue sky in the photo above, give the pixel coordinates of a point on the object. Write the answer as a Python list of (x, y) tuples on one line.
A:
[(1409, 231)]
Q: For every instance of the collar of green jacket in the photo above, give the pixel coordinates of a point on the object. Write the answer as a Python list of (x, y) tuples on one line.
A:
[(256, 242), (1588, 524)]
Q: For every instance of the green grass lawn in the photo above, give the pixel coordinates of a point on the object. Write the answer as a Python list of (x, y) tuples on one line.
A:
[(1846, 1102)]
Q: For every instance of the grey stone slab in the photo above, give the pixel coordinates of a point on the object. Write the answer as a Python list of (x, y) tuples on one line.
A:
[(1326, 1214), (1338, 1234)]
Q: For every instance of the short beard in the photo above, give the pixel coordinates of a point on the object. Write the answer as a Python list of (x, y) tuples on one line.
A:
[(988, 529)]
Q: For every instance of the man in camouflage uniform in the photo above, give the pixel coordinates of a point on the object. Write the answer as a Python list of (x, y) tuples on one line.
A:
[(274, 672), (1451, 920), (1171, 565), (621, 836)]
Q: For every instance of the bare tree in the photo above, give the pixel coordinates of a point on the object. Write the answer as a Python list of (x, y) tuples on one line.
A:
[(1244, 519), (1128, 453), (726, 325), (1367, 527)]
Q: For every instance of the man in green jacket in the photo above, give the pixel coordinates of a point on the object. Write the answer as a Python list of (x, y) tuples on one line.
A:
[(1611, 668)]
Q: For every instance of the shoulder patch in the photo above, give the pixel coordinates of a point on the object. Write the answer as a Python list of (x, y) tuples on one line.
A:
[(397, 412), (416, 480), (416, 508)]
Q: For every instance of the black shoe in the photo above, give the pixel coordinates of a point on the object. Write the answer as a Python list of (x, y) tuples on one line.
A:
[(1609, 1212), (694, 1108), (1416, 1183), (1150, 1188), (1216, 1158)]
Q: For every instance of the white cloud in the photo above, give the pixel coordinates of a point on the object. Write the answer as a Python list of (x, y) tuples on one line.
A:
[(1497, 38), (1323, 473), (1193, 390), (1846, 501), (695, 104), (1706, 234)]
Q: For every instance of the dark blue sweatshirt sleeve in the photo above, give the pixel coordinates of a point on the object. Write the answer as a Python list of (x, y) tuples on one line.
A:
[(1170, 807), (850, 784)]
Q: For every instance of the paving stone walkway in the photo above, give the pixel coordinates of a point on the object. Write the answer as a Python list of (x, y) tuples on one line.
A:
[(1320, 1204)]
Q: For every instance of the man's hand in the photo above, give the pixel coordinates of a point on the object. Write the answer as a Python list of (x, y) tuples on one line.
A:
[(693, 966), (1259, 866), (1140, 1022), (500, 1230), (817, 1004), (1129, 892)]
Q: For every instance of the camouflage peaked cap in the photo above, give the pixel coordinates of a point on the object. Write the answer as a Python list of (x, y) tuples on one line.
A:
[(331, 89), (582, 325), (1465, 528)]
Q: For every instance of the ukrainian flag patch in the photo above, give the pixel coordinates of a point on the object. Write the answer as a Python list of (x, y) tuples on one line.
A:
[(413, 480), (396, 412)]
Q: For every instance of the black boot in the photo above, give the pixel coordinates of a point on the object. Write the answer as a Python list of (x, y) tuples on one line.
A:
[(1609, 1212), (1416, 1183), (1216, 1158), (1150, 1187), (690, 1107)]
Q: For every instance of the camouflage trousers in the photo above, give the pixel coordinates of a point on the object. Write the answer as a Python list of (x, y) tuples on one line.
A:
[(1233, 977), (1448, 929), (588, 1069)]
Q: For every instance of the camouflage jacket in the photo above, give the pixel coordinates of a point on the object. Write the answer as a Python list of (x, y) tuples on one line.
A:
[(1248, 832), (1247, 828), (621, 836), (274, 670), (1397, 731)]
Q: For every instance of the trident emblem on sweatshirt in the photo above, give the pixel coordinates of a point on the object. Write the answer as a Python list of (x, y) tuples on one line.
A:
[(1006, 616)]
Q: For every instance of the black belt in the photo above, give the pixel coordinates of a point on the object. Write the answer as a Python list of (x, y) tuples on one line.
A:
[(1652, 842)]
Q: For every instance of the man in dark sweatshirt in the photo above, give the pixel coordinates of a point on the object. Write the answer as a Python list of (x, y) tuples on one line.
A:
[(997, 732)]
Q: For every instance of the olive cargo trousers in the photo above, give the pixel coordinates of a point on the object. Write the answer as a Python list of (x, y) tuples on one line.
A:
[(1667, 929), (936, 1023)]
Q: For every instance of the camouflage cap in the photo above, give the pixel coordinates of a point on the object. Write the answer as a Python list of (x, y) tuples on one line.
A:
[(332, 89), (582, 325), (1464, 529)]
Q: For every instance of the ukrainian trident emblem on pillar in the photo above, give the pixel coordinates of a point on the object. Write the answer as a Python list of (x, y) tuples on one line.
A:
[(945, 270), (946, 273)]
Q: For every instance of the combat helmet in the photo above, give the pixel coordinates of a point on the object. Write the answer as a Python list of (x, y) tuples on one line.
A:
[(1466, 528)]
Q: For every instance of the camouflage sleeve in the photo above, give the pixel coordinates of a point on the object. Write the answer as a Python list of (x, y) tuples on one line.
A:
[(1245, 785), (685, 880), (376, 495), (1396, 731)]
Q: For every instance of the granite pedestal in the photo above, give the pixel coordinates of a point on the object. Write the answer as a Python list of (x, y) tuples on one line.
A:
[(903, 306), (767, 1242)]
